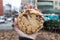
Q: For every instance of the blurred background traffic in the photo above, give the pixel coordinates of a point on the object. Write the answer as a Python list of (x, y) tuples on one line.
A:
[(50, 10)]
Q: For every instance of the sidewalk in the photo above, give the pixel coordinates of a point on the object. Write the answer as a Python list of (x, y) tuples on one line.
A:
[(12, 35), (8, 35), (6, 26)]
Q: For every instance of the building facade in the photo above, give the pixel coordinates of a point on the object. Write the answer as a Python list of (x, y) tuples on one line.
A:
[(1, 7), (27, 2), (44, 4), (47, 4), (58, 4)]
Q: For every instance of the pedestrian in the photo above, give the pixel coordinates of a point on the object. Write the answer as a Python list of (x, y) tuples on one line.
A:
[(23, 36)]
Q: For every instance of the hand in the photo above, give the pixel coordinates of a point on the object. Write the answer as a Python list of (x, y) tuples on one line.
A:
[(33, 36)]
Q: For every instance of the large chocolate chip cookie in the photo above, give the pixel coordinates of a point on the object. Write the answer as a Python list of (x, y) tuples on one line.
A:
[(30, 21)]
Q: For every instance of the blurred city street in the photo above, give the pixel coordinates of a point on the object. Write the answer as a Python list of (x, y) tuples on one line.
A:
[(50, 9), (43, 35)]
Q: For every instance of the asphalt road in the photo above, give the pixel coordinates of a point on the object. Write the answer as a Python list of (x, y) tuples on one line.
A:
[(6, 26)]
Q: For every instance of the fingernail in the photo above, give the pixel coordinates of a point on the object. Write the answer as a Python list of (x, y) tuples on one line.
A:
[(15, 19)]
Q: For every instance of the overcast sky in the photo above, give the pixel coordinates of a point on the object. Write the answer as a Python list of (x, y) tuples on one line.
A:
[(14, 3)]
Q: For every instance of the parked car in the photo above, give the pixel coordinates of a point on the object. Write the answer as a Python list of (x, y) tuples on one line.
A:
[(9, 19), (46, 18), (2, 19), (50, 17)]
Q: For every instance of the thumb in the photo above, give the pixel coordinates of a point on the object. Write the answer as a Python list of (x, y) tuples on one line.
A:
[(15, 21)]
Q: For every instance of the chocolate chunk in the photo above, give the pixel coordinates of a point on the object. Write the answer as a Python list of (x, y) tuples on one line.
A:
[(40, 16), (36, 15), (28, 11), (25, 15)]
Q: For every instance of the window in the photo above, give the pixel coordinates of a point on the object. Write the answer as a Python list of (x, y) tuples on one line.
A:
[(28, 1), (33, 1), (45, 3), (38, 0), (56, 3)]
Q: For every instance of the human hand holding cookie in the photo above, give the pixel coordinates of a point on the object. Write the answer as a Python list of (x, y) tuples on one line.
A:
[(22, 34), (28, 23)]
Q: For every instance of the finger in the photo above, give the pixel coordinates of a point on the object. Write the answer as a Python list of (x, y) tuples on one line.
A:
[(15, 22)]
